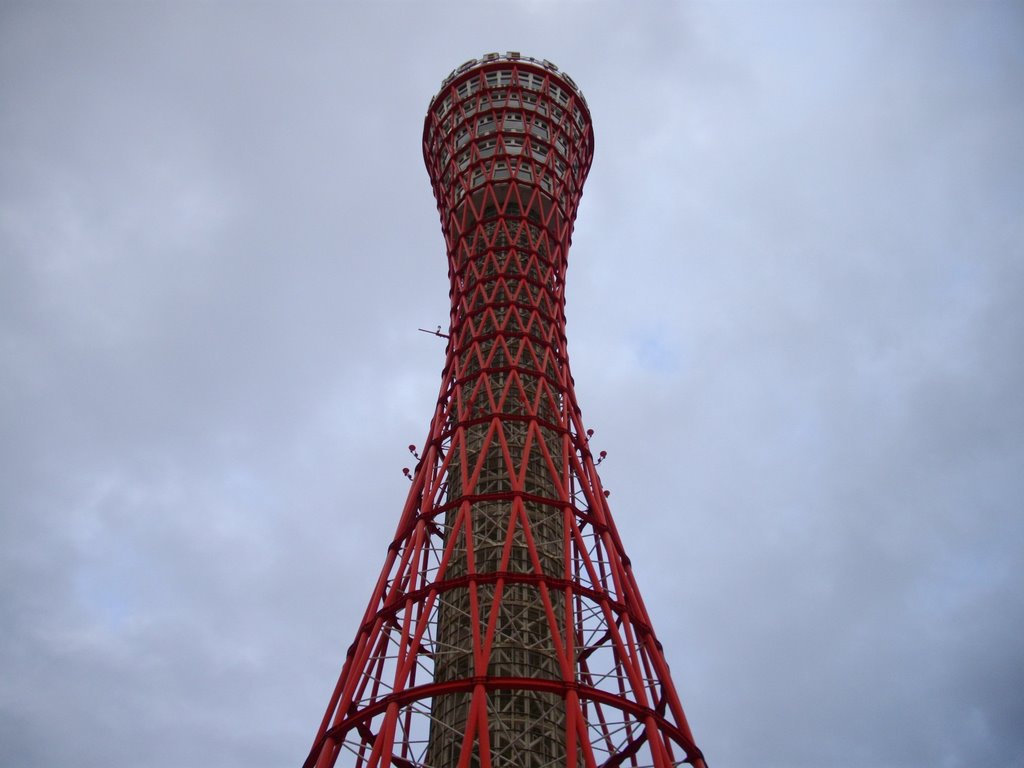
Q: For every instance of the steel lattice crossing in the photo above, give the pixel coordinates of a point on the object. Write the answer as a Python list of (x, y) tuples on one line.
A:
[(506, 629)]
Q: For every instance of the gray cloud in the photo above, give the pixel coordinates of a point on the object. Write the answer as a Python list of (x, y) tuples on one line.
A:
[(794, 322)]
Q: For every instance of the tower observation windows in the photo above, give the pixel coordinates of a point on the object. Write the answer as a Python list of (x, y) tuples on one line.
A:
[(500, 77), (486, 148), (514, 121), (531, 80), (531, 102), (558, 94)]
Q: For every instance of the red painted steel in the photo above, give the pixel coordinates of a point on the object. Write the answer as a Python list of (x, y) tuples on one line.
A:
[(506, 616)]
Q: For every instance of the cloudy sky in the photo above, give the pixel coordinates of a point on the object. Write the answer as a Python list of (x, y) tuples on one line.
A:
[(795, 323)]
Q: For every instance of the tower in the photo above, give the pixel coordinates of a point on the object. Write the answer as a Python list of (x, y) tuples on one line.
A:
[(506, 629)]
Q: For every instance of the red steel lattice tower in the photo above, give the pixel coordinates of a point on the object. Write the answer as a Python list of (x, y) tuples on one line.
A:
[(506, 629)]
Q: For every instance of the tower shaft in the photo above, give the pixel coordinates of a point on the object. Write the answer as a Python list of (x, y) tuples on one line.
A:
[(506, 629), (506, 351)]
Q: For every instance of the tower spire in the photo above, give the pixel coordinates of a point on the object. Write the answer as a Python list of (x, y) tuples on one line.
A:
[(506, 629)]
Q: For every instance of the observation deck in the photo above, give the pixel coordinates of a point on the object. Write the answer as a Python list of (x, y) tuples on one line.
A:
[(508, 118)]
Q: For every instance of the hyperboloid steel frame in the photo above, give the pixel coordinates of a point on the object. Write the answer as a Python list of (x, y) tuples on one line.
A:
[(506, 629)]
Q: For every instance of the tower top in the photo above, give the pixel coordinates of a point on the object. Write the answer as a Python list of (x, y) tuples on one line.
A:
[(504, 127), (496, 60)]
